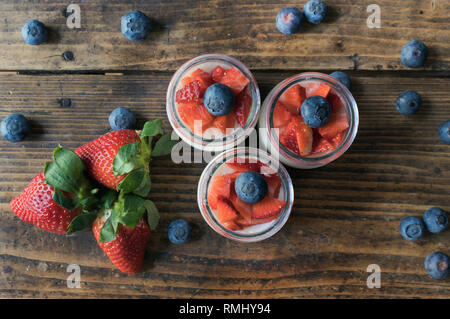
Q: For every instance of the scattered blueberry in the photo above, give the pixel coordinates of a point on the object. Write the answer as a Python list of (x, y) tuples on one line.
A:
[(343, 78), (435, 219), (250, 187), (444, 132), (316, 111), (15, 127), (218, 99), (289, 20), (135, 25), (436, 265), (34, 32), (414, 53), (122, 118), (179, 231), (315, 11), (408, 102), (412, 228)]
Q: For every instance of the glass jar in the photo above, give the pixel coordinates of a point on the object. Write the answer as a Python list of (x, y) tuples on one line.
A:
[(208, 62), (253, 233), (269, 139)]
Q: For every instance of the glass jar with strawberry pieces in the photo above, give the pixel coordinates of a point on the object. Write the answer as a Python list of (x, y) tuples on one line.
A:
[(284, 132), (191, 116), (229, 211)]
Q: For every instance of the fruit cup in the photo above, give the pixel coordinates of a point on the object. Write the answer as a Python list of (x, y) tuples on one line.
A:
[(248, 222), (186, 109), (284, 133)]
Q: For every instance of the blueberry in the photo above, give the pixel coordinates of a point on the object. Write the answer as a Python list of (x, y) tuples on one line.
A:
[(15, 127), (436, 265), (289, 20), (122, 118), (316, 111), (414, 53), (136, 25), (218, 99), (315, 11), (444, 132), (250, 187), (412, 228), (408, 102), (34, 32), (435, 219), (343, 78), (179, 231)]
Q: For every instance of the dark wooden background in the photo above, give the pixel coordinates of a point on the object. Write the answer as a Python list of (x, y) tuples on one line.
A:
[(345, 216)]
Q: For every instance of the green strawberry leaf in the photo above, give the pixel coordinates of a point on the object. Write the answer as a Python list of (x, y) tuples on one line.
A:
[(164, 145), (152, 214), (109, 230), (125, 160), (81, 222), (69, 162), (108, 198), (145, 186), (132, 181), (133, 210), (55, 177), (64, 201), (152, 128)]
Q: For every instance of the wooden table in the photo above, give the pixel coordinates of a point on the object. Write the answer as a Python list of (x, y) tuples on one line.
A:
[(346, 215)]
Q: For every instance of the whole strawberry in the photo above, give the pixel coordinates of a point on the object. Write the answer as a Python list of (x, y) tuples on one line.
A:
[(120, 159), (57, 196), (123, 232)]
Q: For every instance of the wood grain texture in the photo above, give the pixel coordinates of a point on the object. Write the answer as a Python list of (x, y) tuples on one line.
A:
[(245, 29), (345, 217)]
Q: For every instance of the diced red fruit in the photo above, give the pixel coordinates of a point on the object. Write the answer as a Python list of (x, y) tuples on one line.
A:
[(244, 209), (199, 75), (281, 115), (267, 207), (220, 188), (298, 137), (217, 74), (191, 92), (337, 140), (244, 164), (317, 88), (255, 221), (242, 107), (195, 114), (322, 145), (293, 98), (338, 123), (274, 184), (225, 211), (232, 225), (235, 80), (335, 102), (225, 121)]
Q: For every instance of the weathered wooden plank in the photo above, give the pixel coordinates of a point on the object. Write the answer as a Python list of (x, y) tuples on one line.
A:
[(245, 29), (345, 216)]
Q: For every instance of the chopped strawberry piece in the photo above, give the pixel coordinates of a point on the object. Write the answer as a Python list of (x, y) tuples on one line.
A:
[(235, 80), (338, 123), (298, 137), (317, 88), (255, 221), (191, 92), (217, 74), (337, 140), (293, 98), (225, 211), (244, 209), (195, 114), (242, 107), (231, 225), (200, 75), (281, 115), (274, 184), (220, 188), (225, 122), (241, 164), (322, 145), (267, 207), (335, 102)]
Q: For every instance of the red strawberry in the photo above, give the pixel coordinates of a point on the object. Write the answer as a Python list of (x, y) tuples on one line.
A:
[(293, 98), (241, 164), (196, 114), (225, 211), (281, 115), (232, 225), (255, 221), (225, 122), (36, 206), (317, 88), (322, 145), (337, 140), (267, 207), (217, 74), (220, 188), (98, 155), (235, 80), (127, 250), (337, 123), (242, 107), (194, 86), (244, 209), (335, 102), (274, 184), (298, 137)]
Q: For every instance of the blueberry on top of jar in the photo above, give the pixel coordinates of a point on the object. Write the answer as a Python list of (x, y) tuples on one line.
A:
[(218, 99)]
